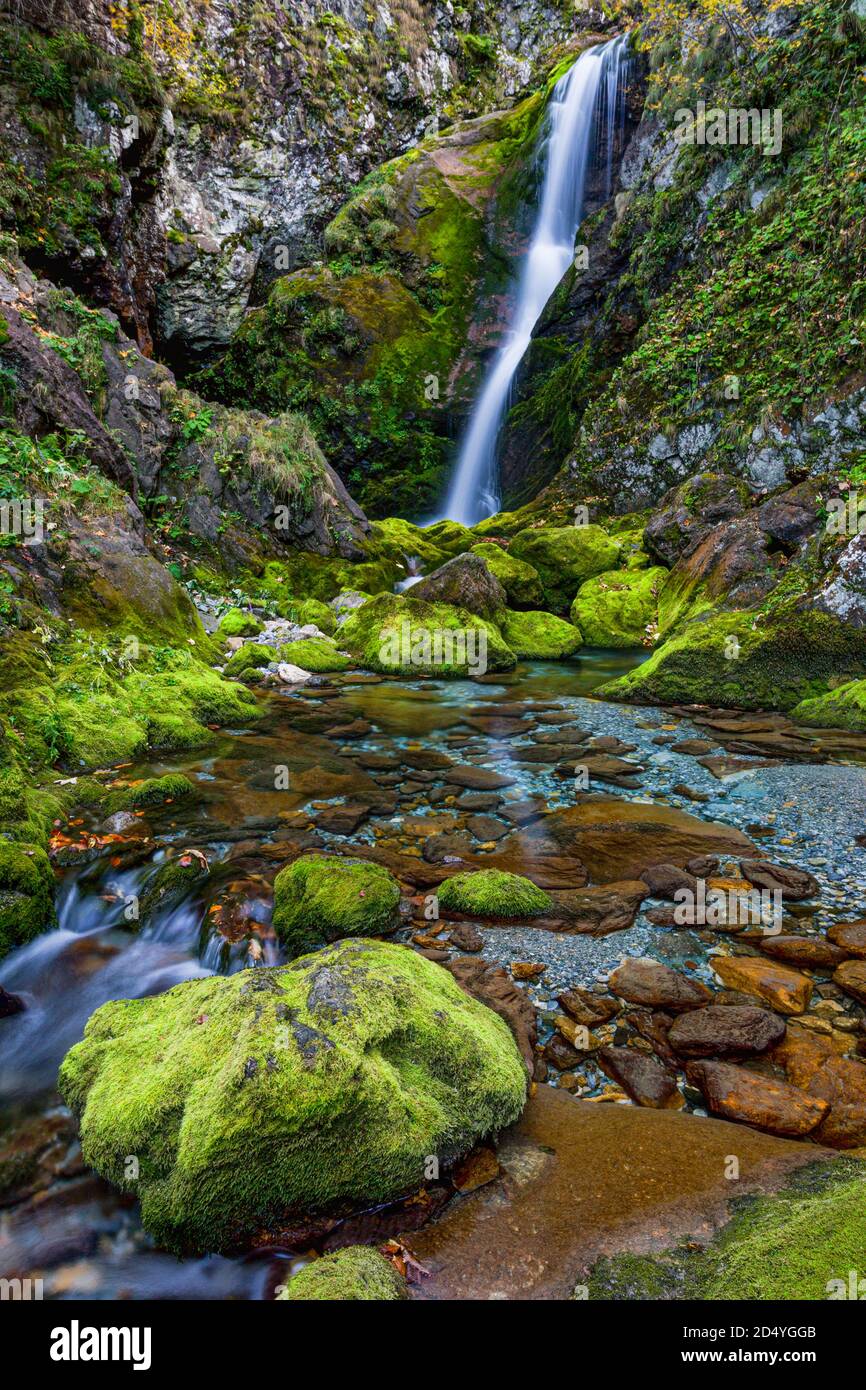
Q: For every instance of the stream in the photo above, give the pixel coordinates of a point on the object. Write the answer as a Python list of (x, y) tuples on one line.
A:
[(344, 744)]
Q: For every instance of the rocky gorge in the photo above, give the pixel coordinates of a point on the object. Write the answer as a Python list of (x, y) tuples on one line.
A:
[(391, 908)]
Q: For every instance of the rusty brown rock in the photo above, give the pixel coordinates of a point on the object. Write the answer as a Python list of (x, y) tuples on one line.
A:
[(588, 1008), (723, 1030), (784, 989), (642, 1077), (794, 884), (666, 880), (850, 937), (851, 976), (753, 1099), (813, 952), (641, 980), (595, 911)]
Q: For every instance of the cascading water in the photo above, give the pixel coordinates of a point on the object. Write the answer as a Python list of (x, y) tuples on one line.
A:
[(585, 120)]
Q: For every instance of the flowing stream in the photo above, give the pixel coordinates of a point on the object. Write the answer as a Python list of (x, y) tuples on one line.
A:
[(584, 121)]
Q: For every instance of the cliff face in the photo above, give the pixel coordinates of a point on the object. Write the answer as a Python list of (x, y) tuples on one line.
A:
[(176, 160)]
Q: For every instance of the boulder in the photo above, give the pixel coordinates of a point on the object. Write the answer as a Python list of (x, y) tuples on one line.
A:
[(464, 582), (851, 976), (849, 937), (493, 986), (564, 558), (794, 884), (358, 1273), (642, 1077), (619, 607), (537, 636), (785, 990), (753, 1099), (812, 952), (519, 580), (492, 893), (253, 1100), (725, 1030), (641, 980), (320, 898), (409, 636)]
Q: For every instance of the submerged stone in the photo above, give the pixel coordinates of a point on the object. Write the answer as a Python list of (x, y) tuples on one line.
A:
[(253, 1100)]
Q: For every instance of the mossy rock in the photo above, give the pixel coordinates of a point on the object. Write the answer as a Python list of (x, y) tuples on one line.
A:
[(565, 557), (312, 610), (26, 894), (745, 660), (237, 623), (356, 1273), (176, 733), (451, 537), (492, 893), (520, 581), (169, 885), (401, 540), (314, 654), (254, 1100), (248, 659), (842, 708), (616, 608), (322, 577), (797, 1244), (154, 791), (405, 636), (539, 636), (321, 898)]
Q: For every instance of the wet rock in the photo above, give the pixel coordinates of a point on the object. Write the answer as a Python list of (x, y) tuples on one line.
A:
[(666, 880), (753, 1099), (794, 884), (527, 969), (617, 839), (703, 866), (466, 937), (597, 911), (10, 1004), (357, 1273), (588, 1008), (695, 747), (560, 1053), (850, 937), (641, 980), (341, 820), (479, 801), (655, 1028), (813, 952), (478, 778), (493, 986), (643, 1078), (521, 812), (725, 1031), (486, 828), (784, 989), (812, 1062), (851, 976), (476, 1170), (437, 849), (690, 793)]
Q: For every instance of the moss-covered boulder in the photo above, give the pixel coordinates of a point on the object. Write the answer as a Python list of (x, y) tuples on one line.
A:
[(357, 1273), (320, 898), (539, 636), (842, 708), (153, 791), (26, 894), (618, 608), (169, 885), (237, 623), (492, 893), (312, 610), (316, 654), (248, 659), (745, 660), (253, 1100), (406, 636), (520, 581), (565, 557)]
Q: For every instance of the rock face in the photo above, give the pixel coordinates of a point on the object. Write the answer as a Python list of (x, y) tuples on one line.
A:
[(357, 1273), (318, 899), (273, 1093)]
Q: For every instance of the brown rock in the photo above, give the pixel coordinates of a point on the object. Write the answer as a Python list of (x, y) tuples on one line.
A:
[(486, 828), (641, 1077), (666, 880), (596, 911), (738, 1094), (561, 1055), (695, 747), (850, 937), (527, 969), (794, 884), (494, 987), (466, 937), (813, 952), (588, 1008), (644, 981), (813, 1062), (478, 779), (851, 976), (655, 1028), (616, 839), (725, 1031), (783, 989), (477, 1169), (704, 866)]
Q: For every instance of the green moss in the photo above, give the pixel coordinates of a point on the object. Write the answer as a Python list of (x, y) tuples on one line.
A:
[(520, 581), (153, 791), (539, 636), (319, 899), (312, 610), (26, 894), (314, 654), (251, 657), (747, 660), (322, 577), (358, 1273), (254, 1099), (619, 607), (565, 557), (406, 636), (842, 708), (491, 893), (798, 1244), (237, 623), (169, 885)]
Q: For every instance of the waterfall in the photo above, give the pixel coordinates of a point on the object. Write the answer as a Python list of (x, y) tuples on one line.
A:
[(585, 120)]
